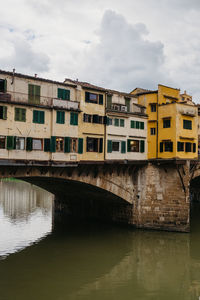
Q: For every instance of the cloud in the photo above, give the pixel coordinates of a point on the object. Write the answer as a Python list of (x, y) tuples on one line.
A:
[(123, 57)]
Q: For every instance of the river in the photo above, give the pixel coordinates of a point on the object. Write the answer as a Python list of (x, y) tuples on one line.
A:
[(89, 261)]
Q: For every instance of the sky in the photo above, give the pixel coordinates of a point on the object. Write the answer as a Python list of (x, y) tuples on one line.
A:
[(114, 44)]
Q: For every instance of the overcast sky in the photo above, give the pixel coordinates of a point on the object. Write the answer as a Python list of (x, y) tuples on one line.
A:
[(118, 44)]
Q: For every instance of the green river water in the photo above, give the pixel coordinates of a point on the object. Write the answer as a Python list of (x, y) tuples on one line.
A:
[(89, 261)]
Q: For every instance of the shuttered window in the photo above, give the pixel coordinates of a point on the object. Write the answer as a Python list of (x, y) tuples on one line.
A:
[(38, 116), (127, 103), (53, 144), (3, 112), (29, 144), (109, 146), (137, 124), (80, 145), (10, 145), (188, 147), (47, 145), (166, 123), (142, 146), (121, 122), (194, 147), (116, 122), (132, 124), (3, 85), (20, 114), (141, 125), (60, 117), (73, 118), (187, 124), (180, 146), (34, 93), (63, 94), (109, 101), (67, 144), (123, 147)]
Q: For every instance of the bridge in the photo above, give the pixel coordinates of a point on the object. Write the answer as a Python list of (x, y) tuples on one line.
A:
[(146, 194)]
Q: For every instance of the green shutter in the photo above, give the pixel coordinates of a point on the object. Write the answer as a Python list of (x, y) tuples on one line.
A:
[(17, 117), (4, 112), (10, 143), (128, 145), (100, 145), (80, 145), (132, 124), (67, 144), (141, 125), (142, 146), (109, 101), (60, 93), (161, 146), (46, 145), (109, 146), (121, 122), (53, 144), (29, 144), (37, 94), (137, 124), (123, 147), (5, 86), (116, 122), (23, 115), (67, 94), (35, 116), (30, 92), (75, 119), (41, 117), (127, 103), (71, 118)]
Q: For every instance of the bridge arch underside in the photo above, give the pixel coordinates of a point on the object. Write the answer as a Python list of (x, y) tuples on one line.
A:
[(195, 189), (80, 200)]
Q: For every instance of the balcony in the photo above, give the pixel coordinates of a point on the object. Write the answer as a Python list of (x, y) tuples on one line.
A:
[(65, 104)]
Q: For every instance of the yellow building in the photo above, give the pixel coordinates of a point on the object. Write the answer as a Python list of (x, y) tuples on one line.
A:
[(172, 124)]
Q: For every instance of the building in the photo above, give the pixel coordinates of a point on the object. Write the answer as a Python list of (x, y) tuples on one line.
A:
[(126, 130), (172, 123)]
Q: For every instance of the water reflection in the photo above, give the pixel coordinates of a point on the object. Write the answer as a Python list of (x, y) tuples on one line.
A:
[(25, 215), (95, 261)]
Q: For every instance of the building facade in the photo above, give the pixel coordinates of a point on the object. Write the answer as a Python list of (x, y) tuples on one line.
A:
[(172, 124)]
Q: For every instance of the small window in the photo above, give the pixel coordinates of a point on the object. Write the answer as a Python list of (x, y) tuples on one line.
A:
[(188, 147), (168, 146), (73, 145), (180, 146), (94, 98), (38, 116), (121, 122), (116, 122), (60, 117), (133, 146), (3, 87), (115, 146), (37, 144), (63, 94), (187, 124), (94, 144), (87, 118), (153, 107), (34, 93), (20, 143), (3, 112), (73, 118), (153, 131), (20, 114), (2, 142), (166, 123), (59, 144)]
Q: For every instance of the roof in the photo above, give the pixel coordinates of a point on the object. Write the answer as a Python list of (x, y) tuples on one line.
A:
[(140, 91), (90, 86), (35, 78)]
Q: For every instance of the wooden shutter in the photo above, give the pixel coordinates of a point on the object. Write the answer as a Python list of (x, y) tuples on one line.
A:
[(123, 147), (46, 145), (109, 146), (60, 93), (67, 94), (161, 147), (17, 114), (53, 144), (95, 119), (71, 118), (29, 144), (87, 97), (121, 122), (109, 101), (67, 144), (75, 119), (128, 145), (4, 112), (10, 143), (101, 99), (178, 146), (35, 116), (127, 103), (142, 146), (5, 86), (141, 125), (31, 93), (132, 124), (37, 94), (80, 145), (100, 145), (194, 147), (41, 117), (137, 124)]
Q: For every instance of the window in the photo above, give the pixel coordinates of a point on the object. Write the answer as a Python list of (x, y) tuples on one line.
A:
[(115, 146), (166, 123), (38, 116), (3, 112), (3, 86), (153, 131), (2, 142), (132, 124), (168, 146), (94, 98), (121, 122), (20, 143), (73, 118), (187, 124), (60, 117), (109, 101), (153, 107), (20, 114), (188, 147), (133, 146), (109, 121), (34, 93), (37, 144), (63, 94), (73, 145), (141, 125), (59, 144), (180, 146), (116, 122), (94, 145)]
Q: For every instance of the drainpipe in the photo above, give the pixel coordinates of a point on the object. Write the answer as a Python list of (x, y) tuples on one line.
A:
[(157, 132), (105, 128), (13, 76)]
